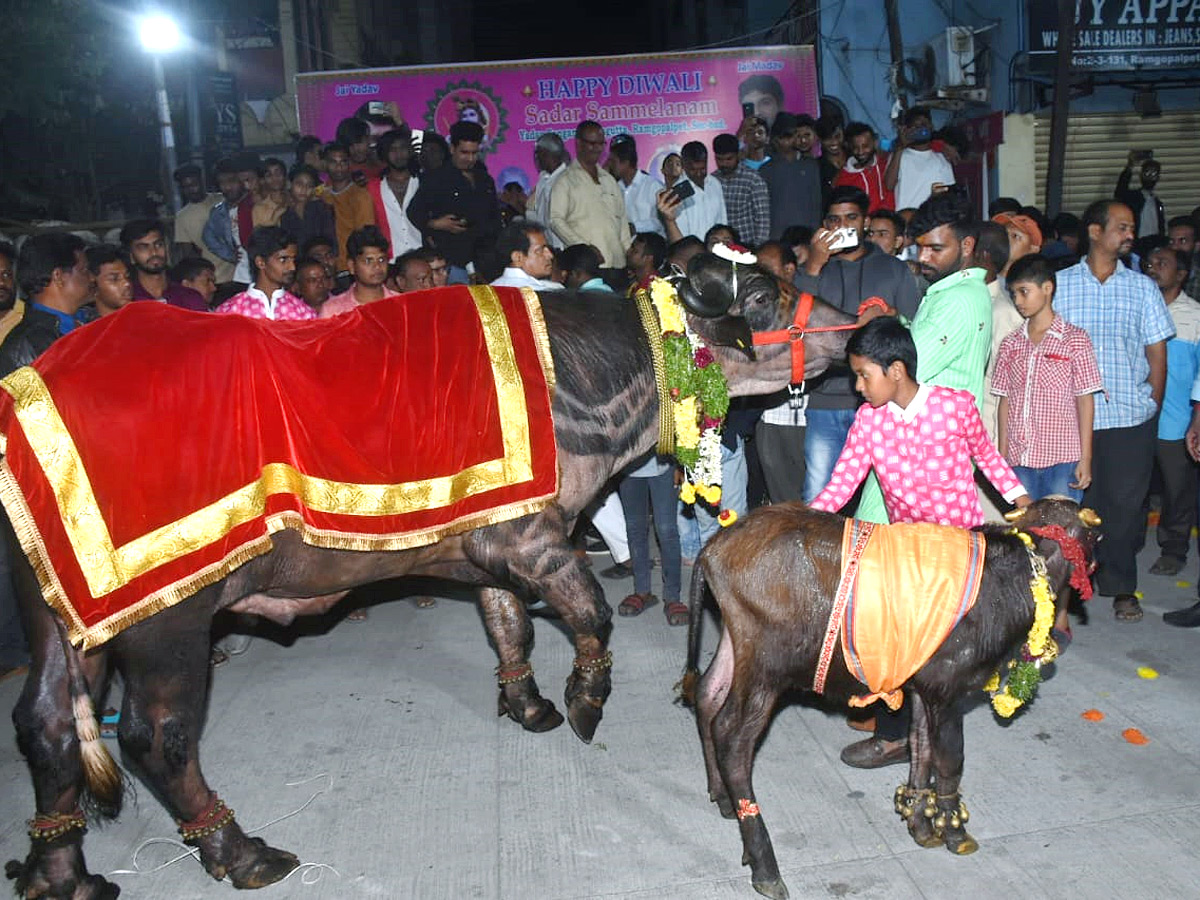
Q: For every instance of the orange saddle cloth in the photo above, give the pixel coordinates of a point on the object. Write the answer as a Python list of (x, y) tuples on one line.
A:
[(911, 586)]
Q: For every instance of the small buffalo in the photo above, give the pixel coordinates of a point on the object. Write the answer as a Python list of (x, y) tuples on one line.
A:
[(774, 576)]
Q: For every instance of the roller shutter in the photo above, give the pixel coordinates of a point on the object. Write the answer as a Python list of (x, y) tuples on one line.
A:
[(1099, 144)]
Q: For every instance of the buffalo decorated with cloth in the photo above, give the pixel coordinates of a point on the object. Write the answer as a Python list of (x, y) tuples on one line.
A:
[(286, 542), (784, 583)]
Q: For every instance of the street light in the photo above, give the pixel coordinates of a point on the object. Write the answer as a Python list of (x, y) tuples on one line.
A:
[(159, 34)]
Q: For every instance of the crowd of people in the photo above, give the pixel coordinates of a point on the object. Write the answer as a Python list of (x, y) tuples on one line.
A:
[(1059, 356)]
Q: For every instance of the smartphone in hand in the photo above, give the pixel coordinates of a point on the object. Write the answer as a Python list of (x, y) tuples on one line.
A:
[(683, 190)]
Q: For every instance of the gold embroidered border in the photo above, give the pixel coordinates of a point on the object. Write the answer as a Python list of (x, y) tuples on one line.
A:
[(541, 338), (107, 568)]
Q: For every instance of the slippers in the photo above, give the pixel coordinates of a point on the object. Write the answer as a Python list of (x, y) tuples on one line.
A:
[(1126, 608), (357, 615), (677, 613), (636, 604)]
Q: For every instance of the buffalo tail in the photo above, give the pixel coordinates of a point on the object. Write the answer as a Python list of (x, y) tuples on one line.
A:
[(102, 777)]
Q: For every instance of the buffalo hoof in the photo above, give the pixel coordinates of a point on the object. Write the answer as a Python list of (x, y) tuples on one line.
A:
[(31, 887), (584, 713), (538, 714), (776, 889), (266, 865), (922, 831), (961, 844)]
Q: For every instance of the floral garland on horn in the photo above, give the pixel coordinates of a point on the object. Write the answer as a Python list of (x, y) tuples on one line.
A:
[(699, 396)]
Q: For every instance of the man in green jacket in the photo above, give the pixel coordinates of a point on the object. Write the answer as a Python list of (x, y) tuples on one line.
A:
[(953, 333)]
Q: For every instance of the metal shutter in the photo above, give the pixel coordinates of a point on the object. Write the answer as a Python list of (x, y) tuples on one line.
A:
[(1097, 148)]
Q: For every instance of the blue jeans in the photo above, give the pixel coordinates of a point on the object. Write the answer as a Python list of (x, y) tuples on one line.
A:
[(638, 497), (1054, 479), (824, 437), (694, 533)]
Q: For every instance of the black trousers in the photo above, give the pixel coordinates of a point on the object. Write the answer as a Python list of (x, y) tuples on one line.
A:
[(1122, 462), (14, 650), (1178, 498)]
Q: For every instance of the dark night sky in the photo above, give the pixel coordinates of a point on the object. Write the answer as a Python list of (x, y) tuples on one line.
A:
[(521, 29)]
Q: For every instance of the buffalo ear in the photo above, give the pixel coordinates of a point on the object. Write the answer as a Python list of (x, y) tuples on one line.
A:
[(725, 331)]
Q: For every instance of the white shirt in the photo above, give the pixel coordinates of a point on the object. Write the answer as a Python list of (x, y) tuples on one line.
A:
[(514, 277), (539, 206), (920, 170), (404, 234), (641, 203), (703, 209), (241, 269)]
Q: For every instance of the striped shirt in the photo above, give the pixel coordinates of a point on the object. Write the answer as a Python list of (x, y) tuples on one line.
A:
[(1122, 316)]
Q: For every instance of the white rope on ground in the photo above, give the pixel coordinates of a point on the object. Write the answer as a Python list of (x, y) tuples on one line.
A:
[(310, 873)]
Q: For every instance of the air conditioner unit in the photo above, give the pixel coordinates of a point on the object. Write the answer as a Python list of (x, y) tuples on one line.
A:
[(954, 52)]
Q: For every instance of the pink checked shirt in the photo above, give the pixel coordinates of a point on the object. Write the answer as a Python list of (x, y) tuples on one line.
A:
[(922, 456), (257, 305), (1041, 382)]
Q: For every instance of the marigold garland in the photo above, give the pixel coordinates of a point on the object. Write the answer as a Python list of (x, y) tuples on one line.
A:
[(1021, 677), (700, 397)]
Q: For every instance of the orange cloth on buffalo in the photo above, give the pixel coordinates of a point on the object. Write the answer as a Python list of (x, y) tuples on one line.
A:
[(150, 453), (914, 584)]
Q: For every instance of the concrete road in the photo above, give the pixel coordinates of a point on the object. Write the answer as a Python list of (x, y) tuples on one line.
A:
[(415, 789)]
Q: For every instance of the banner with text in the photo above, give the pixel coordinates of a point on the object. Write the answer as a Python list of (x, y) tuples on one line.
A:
[(664, 100), (1119, 35)]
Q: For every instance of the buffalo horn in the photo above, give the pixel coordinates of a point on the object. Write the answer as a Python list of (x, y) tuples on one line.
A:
[(1088, 517), (1013, 514)]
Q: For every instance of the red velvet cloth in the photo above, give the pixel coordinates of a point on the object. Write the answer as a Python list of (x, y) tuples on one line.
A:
[(170, 411)]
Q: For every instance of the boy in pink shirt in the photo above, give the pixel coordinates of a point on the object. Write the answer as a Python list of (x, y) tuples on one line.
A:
[(920, 440)]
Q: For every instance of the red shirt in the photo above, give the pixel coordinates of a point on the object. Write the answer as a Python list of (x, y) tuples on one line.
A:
[(869, 179), (1041, 382)]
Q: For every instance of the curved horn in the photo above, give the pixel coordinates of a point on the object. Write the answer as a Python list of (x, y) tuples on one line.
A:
[(710, 288), (1088, 517), (1014, 514)]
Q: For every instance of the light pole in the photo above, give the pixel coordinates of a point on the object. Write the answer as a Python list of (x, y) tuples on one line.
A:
[(159, 34)]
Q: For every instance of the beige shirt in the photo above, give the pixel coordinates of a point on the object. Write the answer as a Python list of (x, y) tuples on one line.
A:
[(583, 211), (1005, 319), (189, 229)]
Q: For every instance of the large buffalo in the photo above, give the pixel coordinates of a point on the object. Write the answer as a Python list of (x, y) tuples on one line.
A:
[(605, 416), (774, 576)]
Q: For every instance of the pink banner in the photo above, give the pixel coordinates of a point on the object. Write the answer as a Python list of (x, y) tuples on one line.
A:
[(663, 100)]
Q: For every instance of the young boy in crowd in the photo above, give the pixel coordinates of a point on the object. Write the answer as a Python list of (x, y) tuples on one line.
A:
[(919, 439), (1045, 376)]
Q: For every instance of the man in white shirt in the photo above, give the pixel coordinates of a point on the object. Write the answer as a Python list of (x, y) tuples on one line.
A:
[(915, 169), (550, 157), (706, 207), (394, 191), (587, 206), (530, 258), (639, 188)]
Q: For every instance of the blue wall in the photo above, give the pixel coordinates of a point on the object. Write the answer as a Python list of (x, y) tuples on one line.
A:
[(854, 55)]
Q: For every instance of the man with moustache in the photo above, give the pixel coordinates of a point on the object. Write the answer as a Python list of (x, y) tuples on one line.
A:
[(1124, 314), (112, 284), (587, 206), (273, 252), (866, 168), (144, 243), (368, 252)]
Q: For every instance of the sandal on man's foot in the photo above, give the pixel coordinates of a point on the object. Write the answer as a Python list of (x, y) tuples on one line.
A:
[(423, 602), (677, 613), (636, 604), (1126, 608), (359, 614)]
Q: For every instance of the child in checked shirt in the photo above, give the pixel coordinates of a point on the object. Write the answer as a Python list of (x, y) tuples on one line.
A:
[(1045, 376), (920, 440)]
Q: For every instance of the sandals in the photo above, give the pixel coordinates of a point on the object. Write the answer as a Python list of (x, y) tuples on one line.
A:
[(1126, 608), (677, 613), (636, 604)]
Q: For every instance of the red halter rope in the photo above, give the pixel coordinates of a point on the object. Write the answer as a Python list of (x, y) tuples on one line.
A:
[(1073, 553), (794, 333)]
